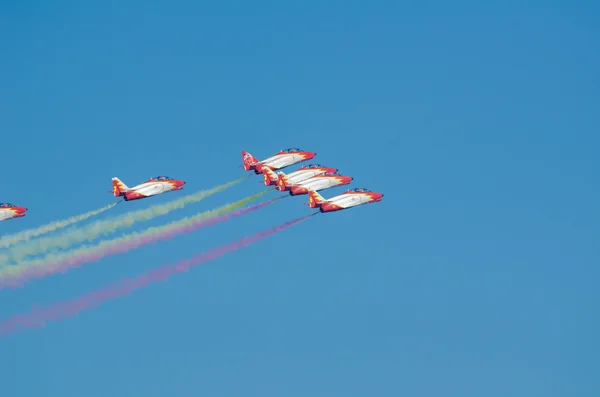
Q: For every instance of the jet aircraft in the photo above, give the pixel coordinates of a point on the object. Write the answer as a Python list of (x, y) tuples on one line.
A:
[(283, 159), (319, 182), (152, 187), (348, 199), (302, 174), (11, 211)]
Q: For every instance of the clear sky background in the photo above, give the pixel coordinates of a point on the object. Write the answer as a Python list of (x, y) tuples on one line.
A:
[(476, 276)]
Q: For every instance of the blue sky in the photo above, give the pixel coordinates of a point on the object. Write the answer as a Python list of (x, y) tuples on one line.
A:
[(475, 276)]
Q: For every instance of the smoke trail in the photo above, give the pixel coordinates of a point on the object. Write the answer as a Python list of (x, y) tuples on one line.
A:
[(16, 275), (38, 316), (25, 235), (104, 227)]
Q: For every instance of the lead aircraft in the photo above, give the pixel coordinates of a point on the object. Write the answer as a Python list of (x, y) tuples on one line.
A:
[(152, 187), (11, 211), (283, 159), (348, 199)]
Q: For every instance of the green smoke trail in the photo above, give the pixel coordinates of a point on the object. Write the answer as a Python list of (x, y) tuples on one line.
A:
[(107, 226), (25, 235), (61, 261)]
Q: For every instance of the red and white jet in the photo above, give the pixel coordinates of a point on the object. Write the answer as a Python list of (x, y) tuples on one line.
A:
[(283, 159), (348, 199), (302, 174), (318, 182), (152, 187), (10, 211)]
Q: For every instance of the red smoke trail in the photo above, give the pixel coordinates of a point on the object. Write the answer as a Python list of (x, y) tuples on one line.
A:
[(38, 316)]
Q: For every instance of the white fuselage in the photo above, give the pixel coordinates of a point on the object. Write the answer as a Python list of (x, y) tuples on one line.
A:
[(302, 175), (6, 213), (349, 200), (152, 188), (316, 183), (319, 183), (282, 160)]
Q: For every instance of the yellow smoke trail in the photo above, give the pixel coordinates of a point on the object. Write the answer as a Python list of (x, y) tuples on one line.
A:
[(26, 235), (61, 261), (107, 226)]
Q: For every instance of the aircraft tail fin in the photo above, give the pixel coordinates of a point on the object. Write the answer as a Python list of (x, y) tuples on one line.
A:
[(315, 199), (270, 177), (249, 161), (283, 182), (119, 188)]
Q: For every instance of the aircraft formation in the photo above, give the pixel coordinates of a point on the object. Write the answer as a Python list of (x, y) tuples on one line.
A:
[(35, 253), (308, 179)]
